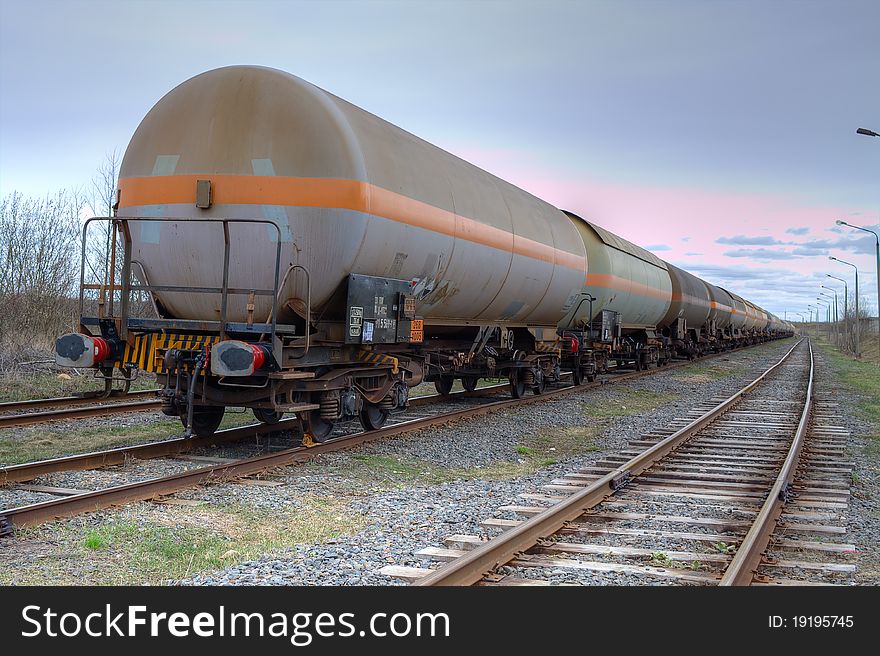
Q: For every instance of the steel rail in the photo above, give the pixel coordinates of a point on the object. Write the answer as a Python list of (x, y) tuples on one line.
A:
[(32, 404), (486, 558), (45, 416), (177, 446), (38, 513), (744, 565)]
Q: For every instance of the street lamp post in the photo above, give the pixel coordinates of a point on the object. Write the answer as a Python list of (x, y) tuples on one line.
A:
[(836, 324), (825, 306), (812, 307), (877, 248), (830, 311), (845, 303), (858, 327)]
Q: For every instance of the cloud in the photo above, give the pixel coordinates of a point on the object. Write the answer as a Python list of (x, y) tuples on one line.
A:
[(810, 251), (798, 231), (772, 288), (742, 240), (862, 245), (761, 254), (692, 254), (685, 239), (658, 247)]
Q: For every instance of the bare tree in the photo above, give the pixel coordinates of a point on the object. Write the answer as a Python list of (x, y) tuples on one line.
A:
[(38, 271), (101, 198)]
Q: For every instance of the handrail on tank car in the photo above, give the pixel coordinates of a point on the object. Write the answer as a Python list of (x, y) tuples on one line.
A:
[(308, 317), (126, 287)]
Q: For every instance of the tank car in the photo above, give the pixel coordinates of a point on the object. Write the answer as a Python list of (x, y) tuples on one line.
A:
[(302, 255), (687, 321)]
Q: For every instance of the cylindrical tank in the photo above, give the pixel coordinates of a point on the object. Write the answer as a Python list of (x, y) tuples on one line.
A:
[(764, 319), (623, 277), (722, 306), (738, 313), (751, 321), (351, 193), (690, 299)]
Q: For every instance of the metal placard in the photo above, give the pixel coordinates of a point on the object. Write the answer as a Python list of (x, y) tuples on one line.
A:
[(377, 310)]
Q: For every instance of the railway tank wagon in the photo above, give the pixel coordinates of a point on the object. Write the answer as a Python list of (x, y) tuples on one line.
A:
[(349, 191), (687, 321), (627, 293), (395, 261), (304, 256), (721, 316)]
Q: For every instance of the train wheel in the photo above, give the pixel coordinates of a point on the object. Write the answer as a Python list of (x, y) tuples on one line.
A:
[(268, 416), (206, 419), (444, 385), (470, 383), (517, 386), (316, 426), (373, 417)]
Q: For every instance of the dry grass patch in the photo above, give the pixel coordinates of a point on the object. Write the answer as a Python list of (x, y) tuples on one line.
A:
[(145, 544), (23, 385), (626, 402), (29, 443)]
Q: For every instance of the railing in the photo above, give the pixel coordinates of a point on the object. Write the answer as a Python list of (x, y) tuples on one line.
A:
[(121, 225)]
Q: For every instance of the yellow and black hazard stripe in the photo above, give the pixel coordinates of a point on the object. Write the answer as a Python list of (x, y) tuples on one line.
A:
[(147, 351), (549, 347), (378, 358)]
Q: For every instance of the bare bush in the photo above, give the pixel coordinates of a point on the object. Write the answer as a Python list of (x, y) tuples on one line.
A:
[(39, 258)]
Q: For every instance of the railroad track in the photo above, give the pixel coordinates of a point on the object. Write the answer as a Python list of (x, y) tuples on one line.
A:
[(746, 490), (73, 502), (21, 413)]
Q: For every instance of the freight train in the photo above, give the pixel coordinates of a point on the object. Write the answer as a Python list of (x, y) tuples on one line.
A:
[(302, 255)]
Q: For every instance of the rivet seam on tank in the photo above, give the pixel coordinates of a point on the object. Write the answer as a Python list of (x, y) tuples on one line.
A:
[(276, 213)]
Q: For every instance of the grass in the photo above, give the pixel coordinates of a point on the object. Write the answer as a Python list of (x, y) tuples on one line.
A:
[(532, 453), (20, 385), (627, 402), (94, 541), (862, 377), (706, 372), (153, 546), (537, 452), (25, 444), (661, 559)]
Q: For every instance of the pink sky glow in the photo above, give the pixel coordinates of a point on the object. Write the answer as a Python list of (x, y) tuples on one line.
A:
[(772, 249)]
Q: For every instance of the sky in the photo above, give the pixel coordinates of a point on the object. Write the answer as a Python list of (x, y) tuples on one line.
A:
[(718, 134)]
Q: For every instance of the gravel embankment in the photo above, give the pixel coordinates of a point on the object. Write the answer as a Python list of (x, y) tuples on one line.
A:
[(402, 521), (864, 507)]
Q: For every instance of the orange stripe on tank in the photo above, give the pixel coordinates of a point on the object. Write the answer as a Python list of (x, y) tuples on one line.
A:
[(624, 286), (337, 194), (693, 300)]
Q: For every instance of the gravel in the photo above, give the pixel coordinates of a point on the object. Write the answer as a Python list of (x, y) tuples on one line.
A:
[(402, 521), (864, 507), (401, 517)]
